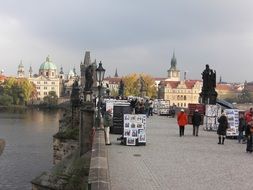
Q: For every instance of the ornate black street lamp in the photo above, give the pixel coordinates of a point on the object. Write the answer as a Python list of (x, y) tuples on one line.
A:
[(100, 71)]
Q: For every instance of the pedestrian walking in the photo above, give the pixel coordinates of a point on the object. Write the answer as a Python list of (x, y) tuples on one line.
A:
[(107, 124), (249, 133), (146, 107), (196, 121), (151, 106), (182, 121), (241, 128), (222, 128)]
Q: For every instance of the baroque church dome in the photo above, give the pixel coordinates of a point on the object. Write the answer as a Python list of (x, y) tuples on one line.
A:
[(48, 69), (48, 65)]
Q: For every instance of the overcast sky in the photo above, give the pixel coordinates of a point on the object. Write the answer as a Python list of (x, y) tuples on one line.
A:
[(133, 36)]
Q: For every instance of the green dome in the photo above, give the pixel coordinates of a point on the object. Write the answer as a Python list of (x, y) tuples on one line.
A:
[(48, 65)]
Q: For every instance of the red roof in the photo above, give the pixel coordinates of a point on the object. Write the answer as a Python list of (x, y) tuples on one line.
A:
[(174, 84), (224, 87), (2, 78), (113, 80)]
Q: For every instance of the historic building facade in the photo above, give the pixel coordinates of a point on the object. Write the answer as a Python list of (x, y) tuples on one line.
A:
[(47, 80), (176, 91)]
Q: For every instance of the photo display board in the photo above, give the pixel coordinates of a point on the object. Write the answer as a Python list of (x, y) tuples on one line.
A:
[(233, 117), (135, 129), (212, 113)]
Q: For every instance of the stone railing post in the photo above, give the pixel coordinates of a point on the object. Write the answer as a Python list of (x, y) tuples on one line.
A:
[(86, 127)]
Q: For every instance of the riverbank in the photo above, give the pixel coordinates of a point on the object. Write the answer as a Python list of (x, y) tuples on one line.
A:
[(19, 108)]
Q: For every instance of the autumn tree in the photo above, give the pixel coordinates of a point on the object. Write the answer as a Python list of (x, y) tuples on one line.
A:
[(132, 85), (21, 90)]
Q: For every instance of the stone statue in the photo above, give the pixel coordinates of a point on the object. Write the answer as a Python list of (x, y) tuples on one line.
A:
[(208, 93), (121, 88), (209, 79), (75, 94), (88, 78)]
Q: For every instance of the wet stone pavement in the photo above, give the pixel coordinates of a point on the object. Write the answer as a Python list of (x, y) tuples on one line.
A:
[(170, 162)]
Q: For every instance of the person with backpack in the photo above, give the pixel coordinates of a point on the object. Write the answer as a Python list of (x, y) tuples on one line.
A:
[(196, 120)]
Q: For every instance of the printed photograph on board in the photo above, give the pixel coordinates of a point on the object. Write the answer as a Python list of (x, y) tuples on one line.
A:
[(133, 118), (139, 125), (127, 125), (142, 138), (130, 141), (134, 133), (133, 125), (126, 117), (127, 132)]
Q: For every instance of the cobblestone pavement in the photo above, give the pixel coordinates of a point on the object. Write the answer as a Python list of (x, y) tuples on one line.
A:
[(170, 162)]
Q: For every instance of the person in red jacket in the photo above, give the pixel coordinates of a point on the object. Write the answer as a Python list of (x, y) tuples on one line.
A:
[(182, 121)]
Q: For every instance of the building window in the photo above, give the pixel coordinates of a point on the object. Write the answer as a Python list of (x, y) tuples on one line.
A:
[(38, 87), (38, 93), (45, 93), (45, 82), (52, 73), (184, 97), (52, 88), (184, 104), (53, 83), (38, 82), (47, 74), (45, 88)]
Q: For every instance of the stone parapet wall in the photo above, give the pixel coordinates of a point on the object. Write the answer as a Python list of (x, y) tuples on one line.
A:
[(62, 148), (99, 173)]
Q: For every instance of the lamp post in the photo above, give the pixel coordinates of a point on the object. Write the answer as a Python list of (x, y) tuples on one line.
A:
[(100, 71)]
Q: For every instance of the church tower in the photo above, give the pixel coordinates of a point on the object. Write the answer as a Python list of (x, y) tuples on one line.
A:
[(61, 74), (21, 70), (173, 73), (116, 73), (30, 72), (86, 62)]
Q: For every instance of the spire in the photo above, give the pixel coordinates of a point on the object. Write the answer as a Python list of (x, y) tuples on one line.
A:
[(30, 71), (173, 61), (61, 72), (20, 64), (48, 59), (116, 73), (87, 58), (74, 70)]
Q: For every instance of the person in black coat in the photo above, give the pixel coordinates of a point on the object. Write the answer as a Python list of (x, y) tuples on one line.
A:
[(222, 128), (248, 134), (196, 120)]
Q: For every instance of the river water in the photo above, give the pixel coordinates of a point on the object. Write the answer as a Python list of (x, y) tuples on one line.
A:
[(28, 150)]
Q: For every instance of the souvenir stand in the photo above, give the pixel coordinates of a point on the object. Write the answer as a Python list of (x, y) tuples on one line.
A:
[(118, 108), (211, 117), (134, 129), (233, 122)]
